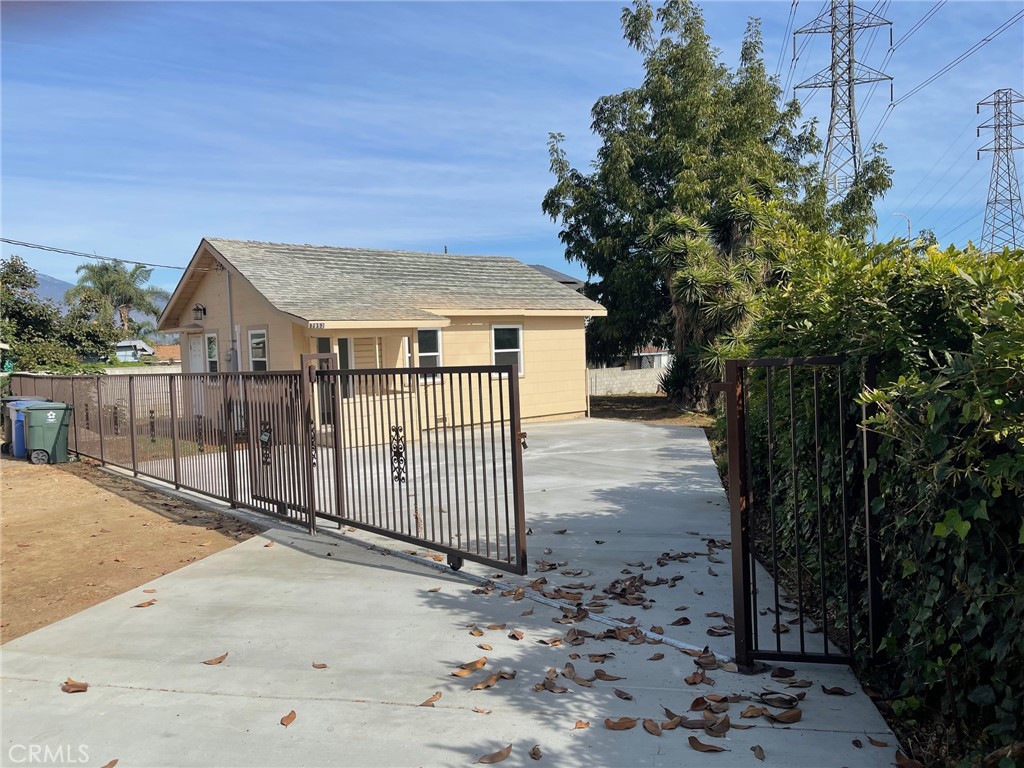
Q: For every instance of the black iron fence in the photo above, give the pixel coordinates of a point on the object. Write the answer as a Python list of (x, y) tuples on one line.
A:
[(804, 533), (432, 456)]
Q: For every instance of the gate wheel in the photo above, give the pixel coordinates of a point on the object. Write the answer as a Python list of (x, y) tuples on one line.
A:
[(454, 562), (5, 447), (39, 456)]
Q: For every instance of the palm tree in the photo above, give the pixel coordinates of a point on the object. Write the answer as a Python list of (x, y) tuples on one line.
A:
[(117, 291)]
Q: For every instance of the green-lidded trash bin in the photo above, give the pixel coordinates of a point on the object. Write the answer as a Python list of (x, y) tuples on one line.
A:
[(46, 432), (9, 419)]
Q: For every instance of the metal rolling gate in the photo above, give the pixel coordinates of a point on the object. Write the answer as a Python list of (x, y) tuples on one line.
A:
[(806, 558), (429, 456)]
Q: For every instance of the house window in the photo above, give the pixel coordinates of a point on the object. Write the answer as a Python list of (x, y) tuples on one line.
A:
[(507, 345), (257, 350), (429, 355), (212, 358)]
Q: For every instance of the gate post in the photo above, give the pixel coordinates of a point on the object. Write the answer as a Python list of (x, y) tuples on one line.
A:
[(869, 443), (736, 436), (99, 416), (131, 424), (229, 439)]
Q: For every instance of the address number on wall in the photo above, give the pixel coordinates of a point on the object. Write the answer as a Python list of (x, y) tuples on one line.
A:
[(317, 325)]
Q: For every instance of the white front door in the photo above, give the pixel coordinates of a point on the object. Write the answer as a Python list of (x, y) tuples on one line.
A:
[(196, 354)]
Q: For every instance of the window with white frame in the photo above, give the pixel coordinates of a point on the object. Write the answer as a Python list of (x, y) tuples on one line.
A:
[(429, 352), (507, 345), (212, 356), (257, 350)]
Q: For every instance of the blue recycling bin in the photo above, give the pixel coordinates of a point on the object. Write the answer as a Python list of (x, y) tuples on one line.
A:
[(6, 416), (16, 421)]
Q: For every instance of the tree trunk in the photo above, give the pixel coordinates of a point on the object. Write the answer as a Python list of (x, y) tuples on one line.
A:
[(125, 311)]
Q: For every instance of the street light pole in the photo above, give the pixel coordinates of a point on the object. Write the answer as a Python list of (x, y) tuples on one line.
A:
[(909, 237)]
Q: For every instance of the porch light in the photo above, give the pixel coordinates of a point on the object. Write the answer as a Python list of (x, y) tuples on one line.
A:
[(198, 312)]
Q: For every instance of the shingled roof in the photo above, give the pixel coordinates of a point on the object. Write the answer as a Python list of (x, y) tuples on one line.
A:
[(358, 284)]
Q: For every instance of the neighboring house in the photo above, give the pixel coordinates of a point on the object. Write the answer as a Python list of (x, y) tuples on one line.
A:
[(167, 354), (132, 350), (253, 306), (649, 357)]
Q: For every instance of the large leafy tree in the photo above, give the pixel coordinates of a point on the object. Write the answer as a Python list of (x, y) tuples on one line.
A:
[(691, 163), (116, 291), (39, 335)]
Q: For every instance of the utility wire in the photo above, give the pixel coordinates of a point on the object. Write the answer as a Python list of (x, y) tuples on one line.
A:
[(785, 36), (888, 55), (969, 219), (54, 249), (955, 185), (949, 167), (973, 49)]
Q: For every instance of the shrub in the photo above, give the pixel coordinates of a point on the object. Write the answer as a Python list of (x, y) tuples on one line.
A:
[(947, 328)]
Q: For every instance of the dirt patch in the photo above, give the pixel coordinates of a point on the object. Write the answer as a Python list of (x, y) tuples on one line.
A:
[(74, 535), (646, 408)]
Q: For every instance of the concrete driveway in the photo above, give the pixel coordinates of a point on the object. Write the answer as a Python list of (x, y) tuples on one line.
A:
[(391, 628)]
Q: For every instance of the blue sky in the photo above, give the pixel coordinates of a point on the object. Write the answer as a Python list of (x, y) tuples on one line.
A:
[(134, 129)]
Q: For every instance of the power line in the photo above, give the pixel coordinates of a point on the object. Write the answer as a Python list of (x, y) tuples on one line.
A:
[(973, 49), (892, 48), (970, 217), (54, 249), (950, 190), (785, 36), (949, 166)]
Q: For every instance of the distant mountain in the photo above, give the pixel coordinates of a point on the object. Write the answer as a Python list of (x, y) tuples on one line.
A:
[(51, 287)]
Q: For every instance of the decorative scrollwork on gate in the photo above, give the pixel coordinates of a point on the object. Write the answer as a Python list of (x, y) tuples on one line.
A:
[(87, 427), (266, 436), (116, 417), (152, 425), (200, 444), (312, 442), (398, 454)]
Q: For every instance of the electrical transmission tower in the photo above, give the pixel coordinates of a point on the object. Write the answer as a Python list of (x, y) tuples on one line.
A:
[(843, 155), (1004, 216)]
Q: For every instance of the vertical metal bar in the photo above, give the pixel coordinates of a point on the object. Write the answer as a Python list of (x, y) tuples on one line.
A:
[(453, 513), (172, 383), (229, 440), (744, 377), (308, 441), (99, 407), (771, 500), (339, 458), (844, 491), (483, 466), (472, 456), (462, 441), (131, 424), (494, 468), (74, 415), (737, 448), (504, 468), (796, 502), (820, 521), (517, 467), (870, 441), (435, 503)]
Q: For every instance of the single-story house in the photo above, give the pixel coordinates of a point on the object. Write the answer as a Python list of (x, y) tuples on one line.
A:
[(132, 350), (253, 306), (167, 354)]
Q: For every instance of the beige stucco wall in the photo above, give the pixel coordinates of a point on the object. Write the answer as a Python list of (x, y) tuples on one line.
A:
[(251, 312)]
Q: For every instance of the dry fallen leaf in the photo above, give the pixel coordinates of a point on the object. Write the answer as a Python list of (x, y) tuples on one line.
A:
[(622, 724), (564, 530), (857, 743), (515, 634), (581, 724), (758, 751), (783, 672), (902, 761), (476, 632), (206, 544), (73, 686), (430, 702), (145, 604), (528, 612), (788, 717), (657, 657), (288, 719), (535, 753), (877, 743), (625, 696), (700, 746), (652, 727), (836, 691), (484, 647), (268, 544), (600, 674), (495, 627), (149, 591), (319, 665), (487, 682), (435, 589), (469, 667), (496, 757), (215, 660), (112, 763), (752, 711), (482, 711)]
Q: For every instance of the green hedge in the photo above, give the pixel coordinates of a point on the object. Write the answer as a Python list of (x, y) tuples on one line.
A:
[(947, 328)]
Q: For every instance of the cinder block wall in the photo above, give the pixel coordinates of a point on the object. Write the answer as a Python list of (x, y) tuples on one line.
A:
[(618, 381)]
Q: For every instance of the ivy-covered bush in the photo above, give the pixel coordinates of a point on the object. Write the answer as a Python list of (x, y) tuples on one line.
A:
[(947, 328)]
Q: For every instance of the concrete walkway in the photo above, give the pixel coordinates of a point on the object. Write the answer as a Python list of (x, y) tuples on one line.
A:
[(391, 629)]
